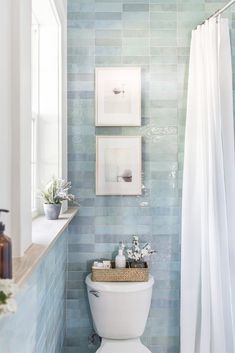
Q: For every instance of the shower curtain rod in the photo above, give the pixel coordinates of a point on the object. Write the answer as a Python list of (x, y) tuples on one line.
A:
[(220, 11)]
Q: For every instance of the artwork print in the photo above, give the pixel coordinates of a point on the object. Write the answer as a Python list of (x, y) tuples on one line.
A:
[(118, 96), (118, 165)]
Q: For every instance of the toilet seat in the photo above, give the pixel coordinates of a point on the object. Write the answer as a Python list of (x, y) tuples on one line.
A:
[(123, 346)]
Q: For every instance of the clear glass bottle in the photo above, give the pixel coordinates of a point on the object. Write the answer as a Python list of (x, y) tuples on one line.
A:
[(5, 253), (120, 260)]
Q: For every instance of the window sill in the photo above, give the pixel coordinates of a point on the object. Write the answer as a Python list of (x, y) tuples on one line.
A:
[(44, 235)]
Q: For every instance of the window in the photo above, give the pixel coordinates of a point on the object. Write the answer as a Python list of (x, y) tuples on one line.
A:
[(48, 29), (46, 98)]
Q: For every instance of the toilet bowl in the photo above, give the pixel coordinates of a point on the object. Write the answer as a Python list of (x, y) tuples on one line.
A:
[(120, 311)]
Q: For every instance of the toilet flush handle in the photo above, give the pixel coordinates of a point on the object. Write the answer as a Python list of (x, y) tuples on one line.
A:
[(95, 293)]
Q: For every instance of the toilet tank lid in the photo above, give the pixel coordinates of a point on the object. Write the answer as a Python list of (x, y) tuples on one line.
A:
[(119, 286)]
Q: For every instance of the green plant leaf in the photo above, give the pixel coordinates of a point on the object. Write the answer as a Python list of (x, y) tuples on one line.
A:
[(3, 297), (56, 191)]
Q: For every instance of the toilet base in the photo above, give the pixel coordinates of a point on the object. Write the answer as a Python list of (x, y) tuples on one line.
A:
[(122, 346)]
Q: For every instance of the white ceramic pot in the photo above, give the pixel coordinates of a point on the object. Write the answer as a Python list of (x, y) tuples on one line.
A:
[(52, 211)]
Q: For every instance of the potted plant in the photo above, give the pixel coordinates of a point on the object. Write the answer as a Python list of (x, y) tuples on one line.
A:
[(55, 192), (137, 254)]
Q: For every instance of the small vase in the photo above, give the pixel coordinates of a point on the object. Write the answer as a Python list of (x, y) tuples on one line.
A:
[(137, 264), (52, 211)]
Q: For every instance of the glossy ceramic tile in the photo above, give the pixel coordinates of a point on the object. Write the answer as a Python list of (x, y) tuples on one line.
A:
[(155, 35), (38, 326)]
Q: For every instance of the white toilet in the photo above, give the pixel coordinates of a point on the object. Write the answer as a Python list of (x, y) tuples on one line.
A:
[(120, 311)]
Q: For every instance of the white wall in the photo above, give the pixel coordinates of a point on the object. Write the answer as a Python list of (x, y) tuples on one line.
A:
[(15, 105), (5, 107), (21, 219)]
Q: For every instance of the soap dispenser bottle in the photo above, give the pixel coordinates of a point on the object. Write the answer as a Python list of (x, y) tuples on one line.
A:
[(5, 253), (120, 260)]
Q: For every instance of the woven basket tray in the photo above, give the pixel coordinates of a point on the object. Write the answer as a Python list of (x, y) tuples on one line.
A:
[(127, 274)]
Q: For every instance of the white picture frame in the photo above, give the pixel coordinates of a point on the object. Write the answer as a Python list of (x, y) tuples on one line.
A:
[(118, 96), (118, 165)]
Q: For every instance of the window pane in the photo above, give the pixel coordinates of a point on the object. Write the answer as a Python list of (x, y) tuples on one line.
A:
[(33, 166), (35, 109)]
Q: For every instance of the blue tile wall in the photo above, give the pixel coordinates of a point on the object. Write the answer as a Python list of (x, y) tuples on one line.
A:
[(38, 326), (153, 34)]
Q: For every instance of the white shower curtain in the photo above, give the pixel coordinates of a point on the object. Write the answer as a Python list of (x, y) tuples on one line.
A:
[(208, 210)]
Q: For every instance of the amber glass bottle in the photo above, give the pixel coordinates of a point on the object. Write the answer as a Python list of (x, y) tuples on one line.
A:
[(5, 253)]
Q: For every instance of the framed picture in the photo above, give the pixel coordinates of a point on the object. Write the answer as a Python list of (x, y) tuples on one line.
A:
[(118, 165), (118, 96)]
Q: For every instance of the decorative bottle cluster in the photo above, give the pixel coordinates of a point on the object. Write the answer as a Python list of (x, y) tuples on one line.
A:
[(5, 253)]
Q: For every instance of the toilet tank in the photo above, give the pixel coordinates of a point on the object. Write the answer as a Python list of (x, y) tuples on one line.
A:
[(119, 309)]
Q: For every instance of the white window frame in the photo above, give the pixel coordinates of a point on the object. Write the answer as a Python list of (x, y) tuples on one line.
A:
[(34, 118)]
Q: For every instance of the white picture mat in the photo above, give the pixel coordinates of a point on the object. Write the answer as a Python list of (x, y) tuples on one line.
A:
[(121, 109), (126, 153)]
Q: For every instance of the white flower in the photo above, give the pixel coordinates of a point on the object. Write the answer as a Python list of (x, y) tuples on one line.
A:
[(11, 305), (7, 293), (136, 253), (7, 286)]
